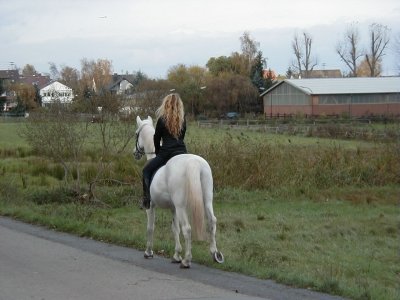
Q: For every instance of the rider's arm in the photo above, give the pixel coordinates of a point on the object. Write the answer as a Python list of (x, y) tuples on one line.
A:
[(183, 131), (157, 136)]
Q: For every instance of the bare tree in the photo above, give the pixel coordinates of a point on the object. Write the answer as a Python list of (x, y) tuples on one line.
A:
[(58, 133), (55, 74), (298, 53), (250, 48), (348, 49), (379, 40), (396, 50), (304, 63)]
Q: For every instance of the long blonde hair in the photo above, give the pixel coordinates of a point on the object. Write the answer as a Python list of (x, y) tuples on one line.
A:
[(173, 113)]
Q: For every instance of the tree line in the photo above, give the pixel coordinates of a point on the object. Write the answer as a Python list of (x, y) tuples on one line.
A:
[(226, 83)]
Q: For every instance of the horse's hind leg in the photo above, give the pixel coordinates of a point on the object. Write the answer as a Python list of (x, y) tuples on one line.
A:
[(212, 226), (150, 231), (178, 248), (187, 234), (212, 223)]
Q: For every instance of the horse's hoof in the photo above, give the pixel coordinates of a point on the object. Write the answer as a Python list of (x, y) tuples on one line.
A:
[(147, 256), (176, 260), (184, 265), (218, 257)]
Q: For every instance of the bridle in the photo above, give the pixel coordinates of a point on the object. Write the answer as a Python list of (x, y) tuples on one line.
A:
[(139, 151)]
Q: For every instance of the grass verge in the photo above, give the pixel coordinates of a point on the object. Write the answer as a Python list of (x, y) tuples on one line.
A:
[(335, 245)]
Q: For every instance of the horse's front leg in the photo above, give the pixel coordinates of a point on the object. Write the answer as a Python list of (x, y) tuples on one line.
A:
[(148, 253), (177, 258)]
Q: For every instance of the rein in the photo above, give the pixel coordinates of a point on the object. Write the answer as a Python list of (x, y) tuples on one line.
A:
[(139, 150)]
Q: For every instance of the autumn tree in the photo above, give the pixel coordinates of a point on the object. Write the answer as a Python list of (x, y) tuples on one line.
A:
[(70, 77), (231, 92), (239, 64), (218, 65), (188, 82), (28, 70), (302, 48), (349, 49), (379, 40), (363, 69), (96, 75), (27, 96), (149, 94)]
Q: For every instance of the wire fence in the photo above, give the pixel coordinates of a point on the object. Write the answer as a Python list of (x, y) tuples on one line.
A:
[(362, 129)]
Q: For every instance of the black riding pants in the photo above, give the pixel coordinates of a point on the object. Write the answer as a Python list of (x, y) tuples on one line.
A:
[(149, 169)]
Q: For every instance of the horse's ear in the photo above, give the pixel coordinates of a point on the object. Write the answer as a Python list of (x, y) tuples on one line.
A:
[(150, 119), (138, 120)]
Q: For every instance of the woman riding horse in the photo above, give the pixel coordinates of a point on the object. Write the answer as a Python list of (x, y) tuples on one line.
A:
[(168, 139)]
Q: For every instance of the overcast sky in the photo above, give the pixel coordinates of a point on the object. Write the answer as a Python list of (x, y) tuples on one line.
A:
[(153, 35)]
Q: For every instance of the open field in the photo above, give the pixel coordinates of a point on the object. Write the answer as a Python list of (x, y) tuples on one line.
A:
[(314, 213)]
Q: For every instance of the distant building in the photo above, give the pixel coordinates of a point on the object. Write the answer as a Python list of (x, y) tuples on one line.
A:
[(122, 86), (56, 92), (10, 78), (334, 73), (359, 96), (38, 80), (8, 96)]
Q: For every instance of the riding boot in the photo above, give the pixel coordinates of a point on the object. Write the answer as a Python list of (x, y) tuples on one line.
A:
[(146, 194)]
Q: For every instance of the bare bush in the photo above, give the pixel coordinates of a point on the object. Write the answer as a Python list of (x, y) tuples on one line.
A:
[(59, 135)]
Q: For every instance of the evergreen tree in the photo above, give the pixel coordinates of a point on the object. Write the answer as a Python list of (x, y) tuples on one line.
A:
[(257, 72)]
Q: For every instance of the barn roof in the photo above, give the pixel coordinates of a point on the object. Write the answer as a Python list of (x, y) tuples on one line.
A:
[(354, 85)]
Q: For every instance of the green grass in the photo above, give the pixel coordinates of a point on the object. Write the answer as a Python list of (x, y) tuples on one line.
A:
[(335, 245), (308, 212), (8, 136)]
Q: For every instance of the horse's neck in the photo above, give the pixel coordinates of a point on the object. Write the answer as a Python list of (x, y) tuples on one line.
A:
[(149, 131), (150, 156)]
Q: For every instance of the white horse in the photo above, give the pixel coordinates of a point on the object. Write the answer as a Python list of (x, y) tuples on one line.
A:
[(185, 182)]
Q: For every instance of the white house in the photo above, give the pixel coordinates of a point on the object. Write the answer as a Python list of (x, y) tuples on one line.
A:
[(121, 87), (56, 91)]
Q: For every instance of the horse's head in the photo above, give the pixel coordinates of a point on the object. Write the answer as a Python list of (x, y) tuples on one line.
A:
[(144, 138)]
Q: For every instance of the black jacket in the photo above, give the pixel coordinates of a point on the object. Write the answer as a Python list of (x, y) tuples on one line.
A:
[(170, 145)]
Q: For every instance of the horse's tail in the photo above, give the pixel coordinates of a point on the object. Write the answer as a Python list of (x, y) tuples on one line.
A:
[(195, 199)]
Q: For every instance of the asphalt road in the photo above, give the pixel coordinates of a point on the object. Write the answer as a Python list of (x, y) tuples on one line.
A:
[(37, 263)]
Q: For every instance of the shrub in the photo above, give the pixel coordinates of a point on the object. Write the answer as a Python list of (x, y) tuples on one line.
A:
[(248, 163), (55, 195)]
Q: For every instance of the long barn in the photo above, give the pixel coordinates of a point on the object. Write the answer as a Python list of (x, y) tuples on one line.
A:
[(356, 97)]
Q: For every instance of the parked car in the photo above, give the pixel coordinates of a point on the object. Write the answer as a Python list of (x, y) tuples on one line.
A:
[(232, 115)]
